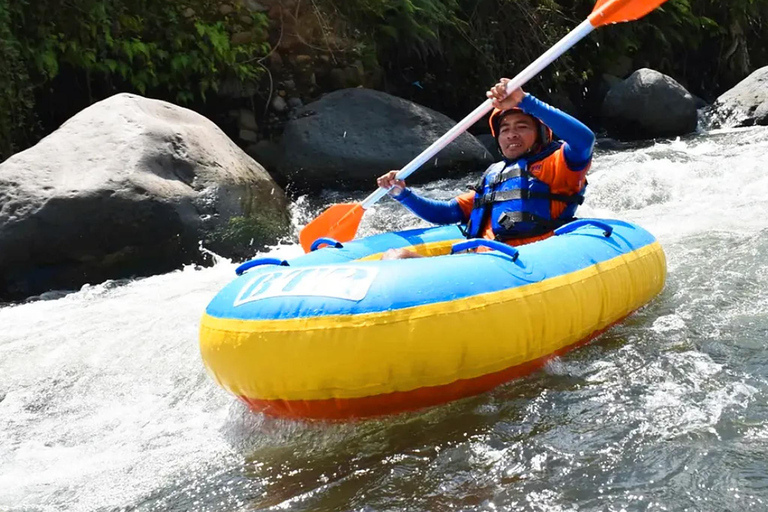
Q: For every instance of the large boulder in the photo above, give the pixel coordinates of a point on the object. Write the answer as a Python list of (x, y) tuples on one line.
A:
[(747, 103), (491, 145), (129, 186), (649, 104), (349, 137)]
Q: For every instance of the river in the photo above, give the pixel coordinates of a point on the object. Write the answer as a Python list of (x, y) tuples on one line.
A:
[(105, 404)]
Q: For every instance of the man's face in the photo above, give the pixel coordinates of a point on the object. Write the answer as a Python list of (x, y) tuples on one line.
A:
[(517, 134)]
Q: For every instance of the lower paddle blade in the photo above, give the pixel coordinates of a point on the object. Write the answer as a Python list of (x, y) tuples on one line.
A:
[(339, 222), (619, 11)]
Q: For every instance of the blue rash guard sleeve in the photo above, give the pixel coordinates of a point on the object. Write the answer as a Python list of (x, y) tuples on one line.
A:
[(579, 139), (431, 210)]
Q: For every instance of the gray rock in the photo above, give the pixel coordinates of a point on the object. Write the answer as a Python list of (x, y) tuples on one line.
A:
[(253, 6), (247, 120), (239, 38), (303, 61), (353, 76), (699, 102), (649, 104), (747, 102), (489, 143), (279, 104), (337, 79), (248, 136), (275, 61), (620, 67), (234, 88), (349, 137), (129, 186), (610, 80), (267, 154), (295, 102)]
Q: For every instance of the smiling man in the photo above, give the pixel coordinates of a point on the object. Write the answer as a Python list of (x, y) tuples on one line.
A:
[(535, 188)]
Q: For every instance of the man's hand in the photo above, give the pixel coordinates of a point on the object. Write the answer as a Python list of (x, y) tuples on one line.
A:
[(498, 95), (389, 182)]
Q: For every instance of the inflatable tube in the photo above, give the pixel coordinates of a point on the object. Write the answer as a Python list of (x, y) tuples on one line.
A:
[(337, 333)]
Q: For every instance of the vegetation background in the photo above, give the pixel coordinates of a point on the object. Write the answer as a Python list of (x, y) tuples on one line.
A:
[(59, 56)]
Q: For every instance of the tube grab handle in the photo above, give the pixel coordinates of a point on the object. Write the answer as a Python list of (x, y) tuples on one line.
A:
[(491, 244), (259, 261), (573, 226), (325, 241)]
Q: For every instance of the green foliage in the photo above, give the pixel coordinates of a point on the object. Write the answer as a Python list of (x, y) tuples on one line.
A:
[(174, 50), (398, 27), (455, 49), (441, 53), (16, 98)]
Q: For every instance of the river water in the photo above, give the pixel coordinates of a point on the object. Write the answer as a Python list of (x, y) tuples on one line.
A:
[(105, 405)]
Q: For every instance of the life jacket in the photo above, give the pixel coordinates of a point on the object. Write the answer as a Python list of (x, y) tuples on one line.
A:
[(518, 203)]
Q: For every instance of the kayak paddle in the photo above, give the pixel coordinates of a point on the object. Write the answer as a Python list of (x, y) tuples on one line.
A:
[(340, 221)]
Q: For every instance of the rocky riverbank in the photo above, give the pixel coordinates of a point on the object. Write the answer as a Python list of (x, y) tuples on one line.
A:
[(132, 186)]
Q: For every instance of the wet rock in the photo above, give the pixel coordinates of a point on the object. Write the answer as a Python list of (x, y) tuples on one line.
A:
[(294, 102), (353, 76), (253, 6), (349, 137), (303, 61), (649, 104), (129, 186), (620, 67), (489, 143), (267, 153), (699, 102), (279, 104), (242, 38), (247, 120), (248, 136), (337, 79), (747, 103), (275, 61), (234, 88)]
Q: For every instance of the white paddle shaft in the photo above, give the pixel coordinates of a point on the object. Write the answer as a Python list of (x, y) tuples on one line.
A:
[(573, 37)]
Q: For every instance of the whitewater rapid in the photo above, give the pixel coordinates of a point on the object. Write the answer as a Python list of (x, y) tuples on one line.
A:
[(105, 404)]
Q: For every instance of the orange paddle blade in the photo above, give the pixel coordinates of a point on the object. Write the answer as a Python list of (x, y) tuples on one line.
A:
[(339, 222), (619, 11)]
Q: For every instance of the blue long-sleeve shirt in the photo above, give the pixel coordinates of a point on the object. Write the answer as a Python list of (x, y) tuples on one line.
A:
[(578, 139), (578, 145)]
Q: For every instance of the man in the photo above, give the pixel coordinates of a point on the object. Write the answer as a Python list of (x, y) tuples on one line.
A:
[(533, 190)]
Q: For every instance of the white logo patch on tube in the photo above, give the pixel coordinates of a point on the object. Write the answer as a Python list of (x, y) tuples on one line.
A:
[(348, 283)]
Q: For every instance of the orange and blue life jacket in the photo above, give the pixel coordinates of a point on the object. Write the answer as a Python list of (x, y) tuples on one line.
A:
[(516, 202)]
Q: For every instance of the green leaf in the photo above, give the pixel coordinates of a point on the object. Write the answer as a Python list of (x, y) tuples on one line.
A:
[(48, 63)]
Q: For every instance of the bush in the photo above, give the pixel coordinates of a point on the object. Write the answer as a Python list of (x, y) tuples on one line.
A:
[(62, 56), (446, 54)]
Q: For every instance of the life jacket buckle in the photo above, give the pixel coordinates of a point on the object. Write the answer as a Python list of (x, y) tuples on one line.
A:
[(507, 221)]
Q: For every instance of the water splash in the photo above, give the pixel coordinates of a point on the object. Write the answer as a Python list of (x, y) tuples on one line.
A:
[(105, 404)]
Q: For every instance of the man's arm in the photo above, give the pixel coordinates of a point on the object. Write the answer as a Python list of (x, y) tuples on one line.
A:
[(579, 139), (431, 210)]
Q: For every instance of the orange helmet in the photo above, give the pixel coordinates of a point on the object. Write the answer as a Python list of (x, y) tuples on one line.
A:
[(545, 135)]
